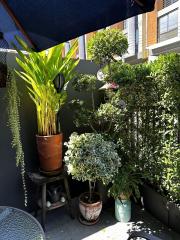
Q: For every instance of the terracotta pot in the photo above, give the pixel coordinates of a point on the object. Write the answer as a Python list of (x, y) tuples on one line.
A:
[(50, 152), (90, 211)]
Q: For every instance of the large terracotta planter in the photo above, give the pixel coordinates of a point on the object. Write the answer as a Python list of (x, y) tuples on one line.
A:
[(90, 211), (50, 152)]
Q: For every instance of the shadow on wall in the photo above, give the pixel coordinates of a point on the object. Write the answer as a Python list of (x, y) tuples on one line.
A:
[(11, 191)]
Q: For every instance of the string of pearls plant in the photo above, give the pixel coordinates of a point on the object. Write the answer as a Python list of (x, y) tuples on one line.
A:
[(14, 125)]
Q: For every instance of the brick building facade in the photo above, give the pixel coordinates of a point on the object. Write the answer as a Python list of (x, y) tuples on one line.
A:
[(148, 34)]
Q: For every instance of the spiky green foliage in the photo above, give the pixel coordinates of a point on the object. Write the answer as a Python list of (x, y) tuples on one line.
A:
[(38, 71), (14, 125)]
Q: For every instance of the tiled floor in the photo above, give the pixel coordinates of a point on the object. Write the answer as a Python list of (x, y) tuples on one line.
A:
[(61, 227)]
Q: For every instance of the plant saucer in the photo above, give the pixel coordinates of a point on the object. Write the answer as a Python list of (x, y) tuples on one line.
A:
[(83, 221)]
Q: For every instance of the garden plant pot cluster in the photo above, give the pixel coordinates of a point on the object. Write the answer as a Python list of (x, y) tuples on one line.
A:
[(132, 132)]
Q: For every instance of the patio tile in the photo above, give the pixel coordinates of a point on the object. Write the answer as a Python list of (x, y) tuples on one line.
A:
[(61, 227)]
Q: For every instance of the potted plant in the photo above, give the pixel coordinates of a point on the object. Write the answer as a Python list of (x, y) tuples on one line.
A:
[(90, 158), (39, 71), (125, 184)]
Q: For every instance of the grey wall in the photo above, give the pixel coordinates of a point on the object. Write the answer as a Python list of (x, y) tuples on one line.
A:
[(11, 192)]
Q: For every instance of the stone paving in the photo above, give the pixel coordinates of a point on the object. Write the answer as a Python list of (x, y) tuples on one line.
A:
[(61, 227)]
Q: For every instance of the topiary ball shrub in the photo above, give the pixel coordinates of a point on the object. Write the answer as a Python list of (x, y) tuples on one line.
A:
[(89, 158), (106, 44)]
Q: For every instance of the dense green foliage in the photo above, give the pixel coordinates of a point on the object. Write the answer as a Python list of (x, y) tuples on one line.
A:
[(119, 73), (90, 158), (148, 129), (14, 125), (85, 82), (39, 73), (106, 44), (166, 73), (143, 118)]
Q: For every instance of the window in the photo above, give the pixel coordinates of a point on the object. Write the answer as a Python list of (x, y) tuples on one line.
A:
[(173, 20), (168, 26), (167, 3)]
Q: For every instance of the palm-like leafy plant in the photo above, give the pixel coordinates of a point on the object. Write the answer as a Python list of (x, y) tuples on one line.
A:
[(126, 183), (39, 71)]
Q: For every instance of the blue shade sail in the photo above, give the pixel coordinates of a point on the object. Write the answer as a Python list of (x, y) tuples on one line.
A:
[(50, 22)]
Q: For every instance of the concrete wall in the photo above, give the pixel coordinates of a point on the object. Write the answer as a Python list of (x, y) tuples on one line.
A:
[(11, 191)]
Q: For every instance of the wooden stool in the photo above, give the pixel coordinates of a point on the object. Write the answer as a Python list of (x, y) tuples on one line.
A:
[(41, 182)]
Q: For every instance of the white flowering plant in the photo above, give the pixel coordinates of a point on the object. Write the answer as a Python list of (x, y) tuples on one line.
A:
[(90, 158)]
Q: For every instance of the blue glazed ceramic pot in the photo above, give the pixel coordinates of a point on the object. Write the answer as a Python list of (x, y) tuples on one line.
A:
[(123, 210)]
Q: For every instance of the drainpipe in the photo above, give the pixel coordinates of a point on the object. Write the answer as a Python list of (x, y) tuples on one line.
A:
[(66, 47), (82, 48), (131, 36)]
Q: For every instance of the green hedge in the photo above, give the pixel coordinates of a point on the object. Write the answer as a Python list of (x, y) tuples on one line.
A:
[(149, 127), (142, 116)]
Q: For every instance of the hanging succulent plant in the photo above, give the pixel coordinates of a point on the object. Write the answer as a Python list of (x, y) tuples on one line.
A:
[(14, 125)]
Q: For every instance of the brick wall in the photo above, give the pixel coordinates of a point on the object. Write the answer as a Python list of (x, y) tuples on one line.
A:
[(152, 23), (118, 25)]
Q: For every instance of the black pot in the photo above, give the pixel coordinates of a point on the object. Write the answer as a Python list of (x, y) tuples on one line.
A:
[(174, 217), (159, 207)]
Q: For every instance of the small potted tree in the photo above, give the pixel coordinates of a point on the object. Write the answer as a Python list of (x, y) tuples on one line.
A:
[(125, 184), (90, 158), (40, 71)]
